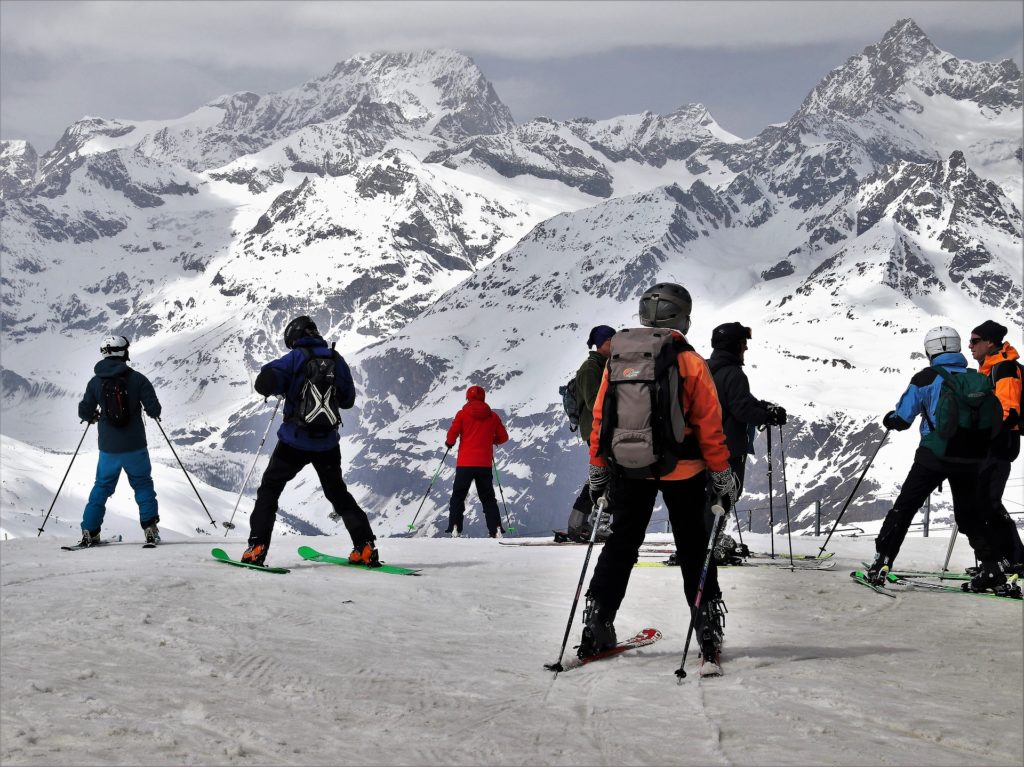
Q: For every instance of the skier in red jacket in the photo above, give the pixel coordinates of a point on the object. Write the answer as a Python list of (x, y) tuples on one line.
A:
[(479, 428)]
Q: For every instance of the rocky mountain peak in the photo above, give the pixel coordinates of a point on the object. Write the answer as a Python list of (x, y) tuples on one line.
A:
[(904, 61), (18, 167), (904, 43)]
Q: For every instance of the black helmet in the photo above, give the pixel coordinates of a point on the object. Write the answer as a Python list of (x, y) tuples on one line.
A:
[(298, 328), (729, 337), (666, 305)]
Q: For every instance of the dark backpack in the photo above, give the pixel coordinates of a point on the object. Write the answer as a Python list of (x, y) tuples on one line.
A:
[(317, 409), (571, 403), (967, 417), (642, 421), (117, 409)]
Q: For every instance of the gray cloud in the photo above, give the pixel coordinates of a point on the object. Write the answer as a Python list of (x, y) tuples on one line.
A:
[(750, 62)]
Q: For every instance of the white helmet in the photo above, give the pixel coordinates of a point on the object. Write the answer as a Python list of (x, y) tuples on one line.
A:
[(115, 346), (941, 339)]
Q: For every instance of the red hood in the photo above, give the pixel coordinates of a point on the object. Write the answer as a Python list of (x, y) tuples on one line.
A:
[(477, 409)]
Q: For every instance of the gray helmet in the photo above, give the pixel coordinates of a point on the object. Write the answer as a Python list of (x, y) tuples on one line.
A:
[(666, 305)]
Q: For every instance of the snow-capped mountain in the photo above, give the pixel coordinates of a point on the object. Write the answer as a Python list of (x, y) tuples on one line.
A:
[(441, 245), (605, 158), (18, 166)]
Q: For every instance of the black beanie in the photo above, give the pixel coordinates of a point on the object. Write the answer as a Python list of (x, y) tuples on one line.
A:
[(990, 331), (729, 337)]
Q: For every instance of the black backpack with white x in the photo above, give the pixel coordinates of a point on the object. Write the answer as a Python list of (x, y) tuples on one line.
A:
[(317, 408)]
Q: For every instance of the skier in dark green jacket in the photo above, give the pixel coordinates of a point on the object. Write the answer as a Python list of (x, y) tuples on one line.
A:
[(588, 381)]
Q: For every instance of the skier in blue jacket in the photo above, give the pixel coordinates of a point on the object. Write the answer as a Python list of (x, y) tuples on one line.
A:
[(115, 398), (308, 435), (942, 345)]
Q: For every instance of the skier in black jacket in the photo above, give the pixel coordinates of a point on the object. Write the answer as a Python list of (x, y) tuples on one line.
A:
[(742, 412)]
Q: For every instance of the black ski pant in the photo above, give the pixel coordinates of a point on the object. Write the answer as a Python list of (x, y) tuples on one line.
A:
[(970, 508), (632, 503), (465, 476), (1002, 529), (287, 461)]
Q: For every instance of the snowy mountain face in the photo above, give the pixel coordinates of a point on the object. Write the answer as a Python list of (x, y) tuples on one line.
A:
[(602, 158), (441, 245), (18, 167)]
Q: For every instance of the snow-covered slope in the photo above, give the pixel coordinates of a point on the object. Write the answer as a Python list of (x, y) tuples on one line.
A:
[(130, 656)]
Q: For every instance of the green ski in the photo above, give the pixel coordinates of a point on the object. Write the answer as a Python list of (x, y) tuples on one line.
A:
[(1013, 591), (222, 556), (313, 555), (949, 575), (861, 577)]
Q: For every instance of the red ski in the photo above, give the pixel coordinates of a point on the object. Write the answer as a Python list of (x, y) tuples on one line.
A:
[(642, 639)]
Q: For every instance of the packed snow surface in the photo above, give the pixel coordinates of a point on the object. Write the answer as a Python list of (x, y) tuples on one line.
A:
[(121, 655)]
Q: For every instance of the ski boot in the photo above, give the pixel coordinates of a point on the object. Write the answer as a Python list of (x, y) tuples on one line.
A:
[(89, 538), (365, 555), (712, 635), (604, 530), (598, 629), (879, 569), (256, 554), (152, 533), (578, 529), (728, 552), (989, 578)]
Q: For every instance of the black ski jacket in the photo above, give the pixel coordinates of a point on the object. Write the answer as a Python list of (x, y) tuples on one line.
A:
[(123, 439), (741, 411)]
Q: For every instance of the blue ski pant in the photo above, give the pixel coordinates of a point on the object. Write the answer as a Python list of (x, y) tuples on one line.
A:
[(108, 470)]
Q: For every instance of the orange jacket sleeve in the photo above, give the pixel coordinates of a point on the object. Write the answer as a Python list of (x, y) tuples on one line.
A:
[(1008, 392), (703, 411), (595, 431)]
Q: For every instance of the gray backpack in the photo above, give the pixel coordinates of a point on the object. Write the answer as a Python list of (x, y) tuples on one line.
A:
[(643, 426)]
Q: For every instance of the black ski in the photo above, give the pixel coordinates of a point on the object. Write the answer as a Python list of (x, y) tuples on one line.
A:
[(104, 542)]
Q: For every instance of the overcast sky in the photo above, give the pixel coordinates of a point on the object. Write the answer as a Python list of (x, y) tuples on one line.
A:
[(750, 63)]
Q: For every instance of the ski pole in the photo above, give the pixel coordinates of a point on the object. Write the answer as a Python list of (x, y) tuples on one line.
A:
[(949, 551), (739, 532), (171, 446), (508, 524), (719, 513), (853, 492), (785, 495), (87, 425), (229, 525), (771, 510), (412, 525), (600, 506)]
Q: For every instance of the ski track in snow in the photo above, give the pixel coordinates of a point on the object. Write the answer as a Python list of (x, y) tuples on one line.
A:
[(122, 655)]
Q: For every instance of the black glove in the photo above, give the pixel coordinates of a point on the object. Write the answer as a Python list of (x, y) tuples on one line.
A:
[(94, 418), (776, 414), (894, 422), (265, 383), (597, 479), (448, 446)]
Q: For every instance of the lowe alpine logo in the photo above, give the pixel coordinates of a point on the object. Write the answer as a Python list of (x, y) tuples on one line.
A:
[(630, 373)]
